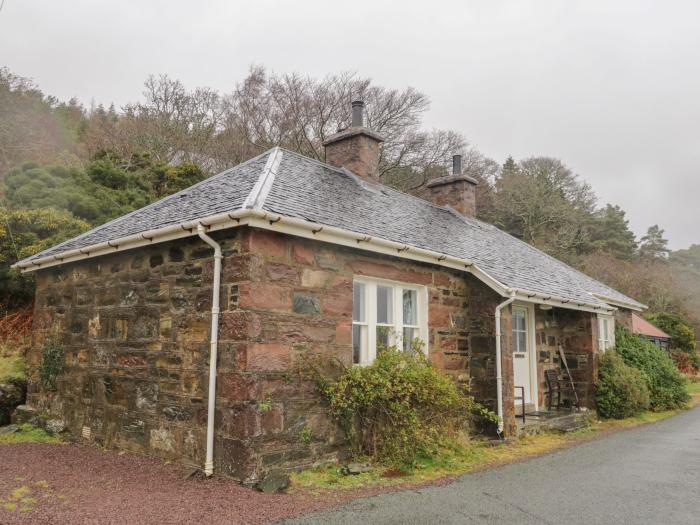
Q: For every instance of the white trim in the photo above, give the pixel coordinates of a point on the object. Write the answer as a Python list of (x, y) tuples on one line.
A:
[(308, 230), (618, 302), (530, 328), (396, 322), (603, 343)]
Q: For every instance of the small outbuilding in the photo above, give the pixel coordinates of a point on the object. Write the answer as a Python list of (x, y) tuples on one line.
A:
[(645, 329)]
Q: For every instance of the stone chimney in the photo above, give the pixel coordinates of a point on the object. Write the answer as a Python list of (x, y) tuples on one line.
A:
[(457, 190), (355, 148)]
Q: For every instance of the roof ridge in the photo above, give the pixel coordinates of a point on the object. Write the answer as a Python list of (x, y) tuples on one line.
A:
[(261, 188), (361, 182)]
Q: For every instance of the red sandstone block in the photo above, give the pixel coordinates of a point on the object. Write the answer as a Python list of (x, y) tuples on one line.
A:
[(343, 332), (131, 360), (268, 243), (396, 272), (302, 253), (268, 356), (282, 272), (265, 295), (337, 303), (239, 325), (448, 343), (272, 421), (237, 387), (439, 315)]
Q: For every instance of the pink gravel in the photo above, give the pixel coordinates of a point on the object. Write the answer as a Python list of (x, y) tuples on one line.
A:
[(76, 484)]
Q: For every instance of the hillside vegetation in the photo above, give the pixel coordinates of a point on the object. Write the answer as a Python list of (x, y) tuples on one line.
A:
[(65, 167)]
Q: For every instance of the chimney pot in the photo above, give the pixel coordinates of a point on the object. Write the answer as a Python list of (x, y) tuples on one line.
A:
[(358, 108), (456, 164), (456, 190), (356, 148)]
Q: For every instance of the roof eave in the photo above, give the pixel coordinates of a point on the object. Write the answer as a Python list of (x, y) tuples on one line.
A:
[(637, 307), (302, 228)]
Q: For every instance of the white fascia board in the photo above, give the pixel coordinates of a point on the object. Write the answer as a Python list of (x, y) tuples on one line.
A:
[(305, 229), (618, 302), (531, 298)]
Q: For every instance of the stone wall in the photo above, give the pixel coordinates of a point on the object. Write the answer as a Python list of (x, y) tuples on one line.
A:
[(297, 300), (577, 333), (135, 329)]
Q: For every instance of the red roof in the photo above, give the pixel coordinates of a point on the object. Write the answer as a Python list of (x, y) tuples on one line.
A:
[(644, 327)]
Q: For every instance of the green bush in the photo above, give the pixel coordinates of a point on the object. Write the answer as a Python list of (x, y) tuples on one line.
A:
[(621, 390), (399, 408), (666, 384), (682, 339)]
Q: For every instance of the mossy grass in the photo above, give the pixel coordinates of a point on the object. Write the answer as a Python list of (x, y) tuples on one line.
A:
[(12, 367), (29, 434), (471, 456)]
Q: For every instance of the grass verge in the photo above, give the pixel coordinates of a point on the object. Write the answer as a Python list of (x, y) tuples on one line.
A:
[(29, 434), (471, 457)]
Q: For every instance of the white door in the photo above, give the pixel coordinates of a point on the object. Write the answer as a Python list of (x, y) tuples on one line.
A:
[(521, 353)]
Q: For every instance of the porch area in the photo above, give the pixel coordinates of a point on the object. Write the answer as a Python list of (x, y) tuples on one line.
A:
[(563, 420), (554, 368)]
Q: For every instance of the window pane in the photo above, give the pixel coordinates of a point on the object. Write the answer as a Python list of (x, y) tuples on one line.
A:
[(383, 338), (409, 334), (358, 302), (410, 307), (522, 342), (359, 343), (385, 310)]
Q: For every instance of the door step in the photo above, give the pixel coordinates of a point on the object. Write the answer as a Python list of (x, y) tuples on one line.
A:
[(567, 422)]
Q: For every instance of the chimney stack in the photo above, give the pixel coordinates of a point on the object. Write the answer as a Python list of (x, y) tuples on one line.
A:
[(457, 190), (356, 148)]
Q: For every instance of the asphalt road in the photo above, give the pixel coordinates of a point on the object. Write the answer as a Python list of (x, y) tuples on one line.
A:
[(649, 475)]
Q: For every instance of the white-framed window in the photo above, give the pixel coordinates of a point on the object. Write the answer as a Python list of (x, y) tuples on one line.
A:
[(606, 332), (385, 314)]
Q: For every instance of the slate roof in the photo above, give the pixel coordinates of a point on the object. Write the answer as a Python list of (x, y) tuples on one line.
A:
[(316, 192)]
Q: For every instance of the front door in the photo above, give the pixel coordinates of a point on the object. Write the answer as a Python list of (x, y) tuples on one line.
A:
[(521, 353)]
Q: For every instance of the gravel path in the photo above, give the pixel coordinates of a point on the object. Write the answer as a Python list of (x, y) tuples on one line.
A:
[(60, 484)]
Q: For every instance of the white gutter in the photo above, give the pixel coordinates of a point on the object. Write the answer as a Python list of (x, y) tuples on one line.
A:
[(310, 230), (637, 307), (499, 366), (213, 350)]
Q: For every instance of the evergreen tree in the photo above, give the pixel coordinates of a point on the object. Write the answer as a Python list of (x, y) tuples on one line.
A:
[(653, 245), (610, 233)]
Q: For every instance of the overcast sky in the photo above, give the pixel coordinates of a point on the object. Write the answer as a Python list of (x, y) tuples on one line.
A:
[(610, 87)]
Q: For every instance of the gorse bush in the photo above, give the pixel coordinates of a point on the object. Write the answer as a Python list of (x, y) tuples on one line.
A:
[(665, 383), (399, 408), (621, 390)]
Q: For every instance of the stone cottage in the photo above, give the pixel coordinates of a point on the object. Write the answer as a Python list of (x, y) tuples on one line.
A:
[(181, 322)]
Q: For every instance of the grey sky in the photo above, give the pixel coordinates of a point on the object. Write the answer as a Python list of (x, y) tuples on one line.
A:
[(611, 88)]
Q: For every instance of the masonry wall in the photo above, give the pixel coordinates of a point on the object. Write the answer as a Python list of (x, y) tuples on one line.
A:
[(297, 301), (576, 333), (135, 329)]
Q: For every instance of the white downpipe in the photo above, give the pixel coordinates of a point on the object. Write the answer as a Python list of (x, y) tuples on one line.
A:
[(499, 367), (213, 352)]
